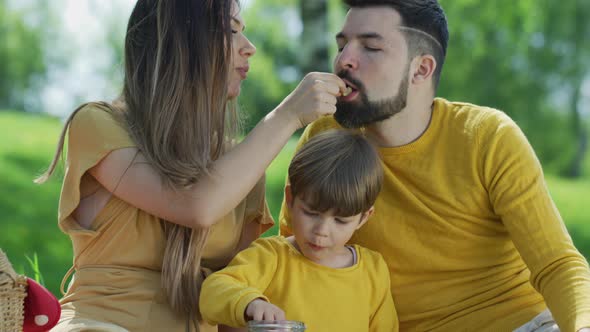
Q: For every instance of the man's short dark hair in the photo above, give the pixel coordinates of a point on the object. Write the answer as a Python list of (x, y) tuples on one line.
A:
[(426, 16)]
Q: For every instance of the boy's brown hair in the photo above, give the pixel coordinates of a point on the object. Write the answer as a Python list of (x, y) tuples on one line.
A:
[(337, 170)]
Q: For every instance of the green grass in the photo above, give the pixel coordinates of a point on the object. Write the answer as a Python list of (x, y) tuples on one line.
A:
[(28, 212), (572, 198), (275, 182)]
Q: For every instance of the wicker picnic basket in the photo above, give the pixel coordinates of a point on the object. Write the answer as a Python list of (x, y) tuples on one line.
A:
[(13, 290)]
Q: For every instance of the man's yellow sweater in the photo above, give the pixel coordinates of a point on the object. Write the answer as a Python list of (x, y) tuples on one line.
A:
[(468, 229)]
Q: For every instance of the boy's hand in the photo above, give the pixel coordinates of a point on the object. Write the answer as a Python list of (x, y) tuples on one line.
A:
[(261, 310)]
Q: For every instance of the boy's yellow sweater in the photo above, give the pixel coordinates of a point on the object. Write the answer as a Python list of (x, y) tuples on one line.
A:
[(352, 299)]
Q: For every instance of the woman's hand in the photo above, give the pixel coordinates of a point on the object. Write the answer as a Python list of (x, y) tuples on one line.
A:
[(259, 309), (315, 96)]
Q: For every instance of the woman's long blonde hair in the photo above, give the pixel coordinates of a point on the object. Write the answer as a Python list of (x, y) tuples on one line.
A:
[(174, 104)]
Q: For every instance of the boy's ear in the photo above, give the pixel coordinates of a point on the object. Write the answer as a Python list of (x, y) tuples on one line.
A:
[(365, 216), (288, 195)]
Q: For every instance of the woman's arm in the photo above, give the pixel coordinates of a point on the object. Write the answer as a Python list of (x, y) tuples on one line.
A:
[(128, 176)]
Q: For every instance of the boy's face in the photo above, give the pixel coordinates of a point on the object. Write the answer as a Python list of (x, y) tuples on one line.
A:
[(321, 236)]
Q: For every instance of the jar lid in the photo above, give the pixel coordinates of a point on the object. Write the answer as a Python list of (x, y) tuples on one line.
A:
[(282, 325)]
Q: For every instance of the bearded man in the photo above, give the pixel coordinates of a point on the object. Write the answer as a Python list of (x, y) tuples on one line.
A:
[(465, 223)]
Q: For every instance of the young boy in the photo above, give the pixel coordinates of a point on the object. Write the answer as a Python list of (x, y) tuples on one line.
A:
[(314, 276)]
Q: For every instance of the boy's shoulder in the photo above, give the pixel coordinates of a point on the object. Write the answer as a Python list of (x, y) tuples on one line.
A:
[(370, 258), (276, 242), (374, 269)]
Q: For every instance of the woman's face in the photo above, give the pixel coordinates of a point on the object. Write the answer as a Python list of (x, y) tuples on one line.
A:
[(242, 49)]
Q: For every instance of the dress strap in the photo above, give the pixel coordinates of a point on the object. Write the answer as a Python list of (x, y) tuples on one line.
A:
[(65, 278)]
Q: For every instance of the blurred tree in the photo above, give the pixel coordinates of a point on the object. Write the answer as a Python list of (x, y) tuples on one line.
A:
[(283, 55), (114, 23), (273, 26), (314, 38), (22, 64), (562, 55), (523, 59), (336, 16)]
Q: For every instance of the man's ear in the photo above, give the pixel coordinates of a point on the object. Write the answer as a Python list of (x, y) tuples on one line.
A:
[(425, 65), (288, 196), (365, 217)]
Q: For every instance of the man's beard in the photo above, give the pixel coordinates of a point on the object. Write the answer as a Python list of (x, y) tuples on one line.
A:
[(357, 114)]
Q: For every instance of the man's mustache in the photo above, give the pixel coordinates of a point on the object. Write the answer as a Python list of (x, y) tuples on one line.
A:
[(345, 74)]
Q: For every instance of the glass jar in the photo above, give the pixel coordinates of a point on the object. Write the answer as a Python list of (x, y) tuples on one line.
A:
[(275, 326)]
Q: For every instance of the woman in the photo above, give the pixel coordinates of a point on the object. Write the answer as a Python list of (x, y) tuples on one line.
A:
[(155, 196)]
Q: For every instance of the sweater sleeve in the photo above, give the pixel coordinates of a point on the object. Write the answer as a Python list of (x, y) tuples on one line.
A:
[(226, 294), (384, 317), (519, 195)]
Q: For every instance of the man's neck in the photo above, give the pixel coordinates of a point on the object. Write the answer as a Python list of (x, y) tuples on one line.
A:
[(403, 128)]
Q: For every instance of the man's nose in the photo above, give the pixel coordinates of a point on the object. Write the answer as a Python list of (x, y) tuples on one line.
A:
[(347, 59)]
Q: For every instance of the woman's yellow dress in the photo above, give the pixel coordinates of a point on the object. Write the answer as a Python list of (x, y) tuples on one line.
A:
[(118, 261)]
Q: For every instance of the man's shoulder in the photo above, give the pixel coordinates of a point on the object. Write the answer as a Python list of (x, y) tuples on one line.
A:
[(470, 115), (321, 125)]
